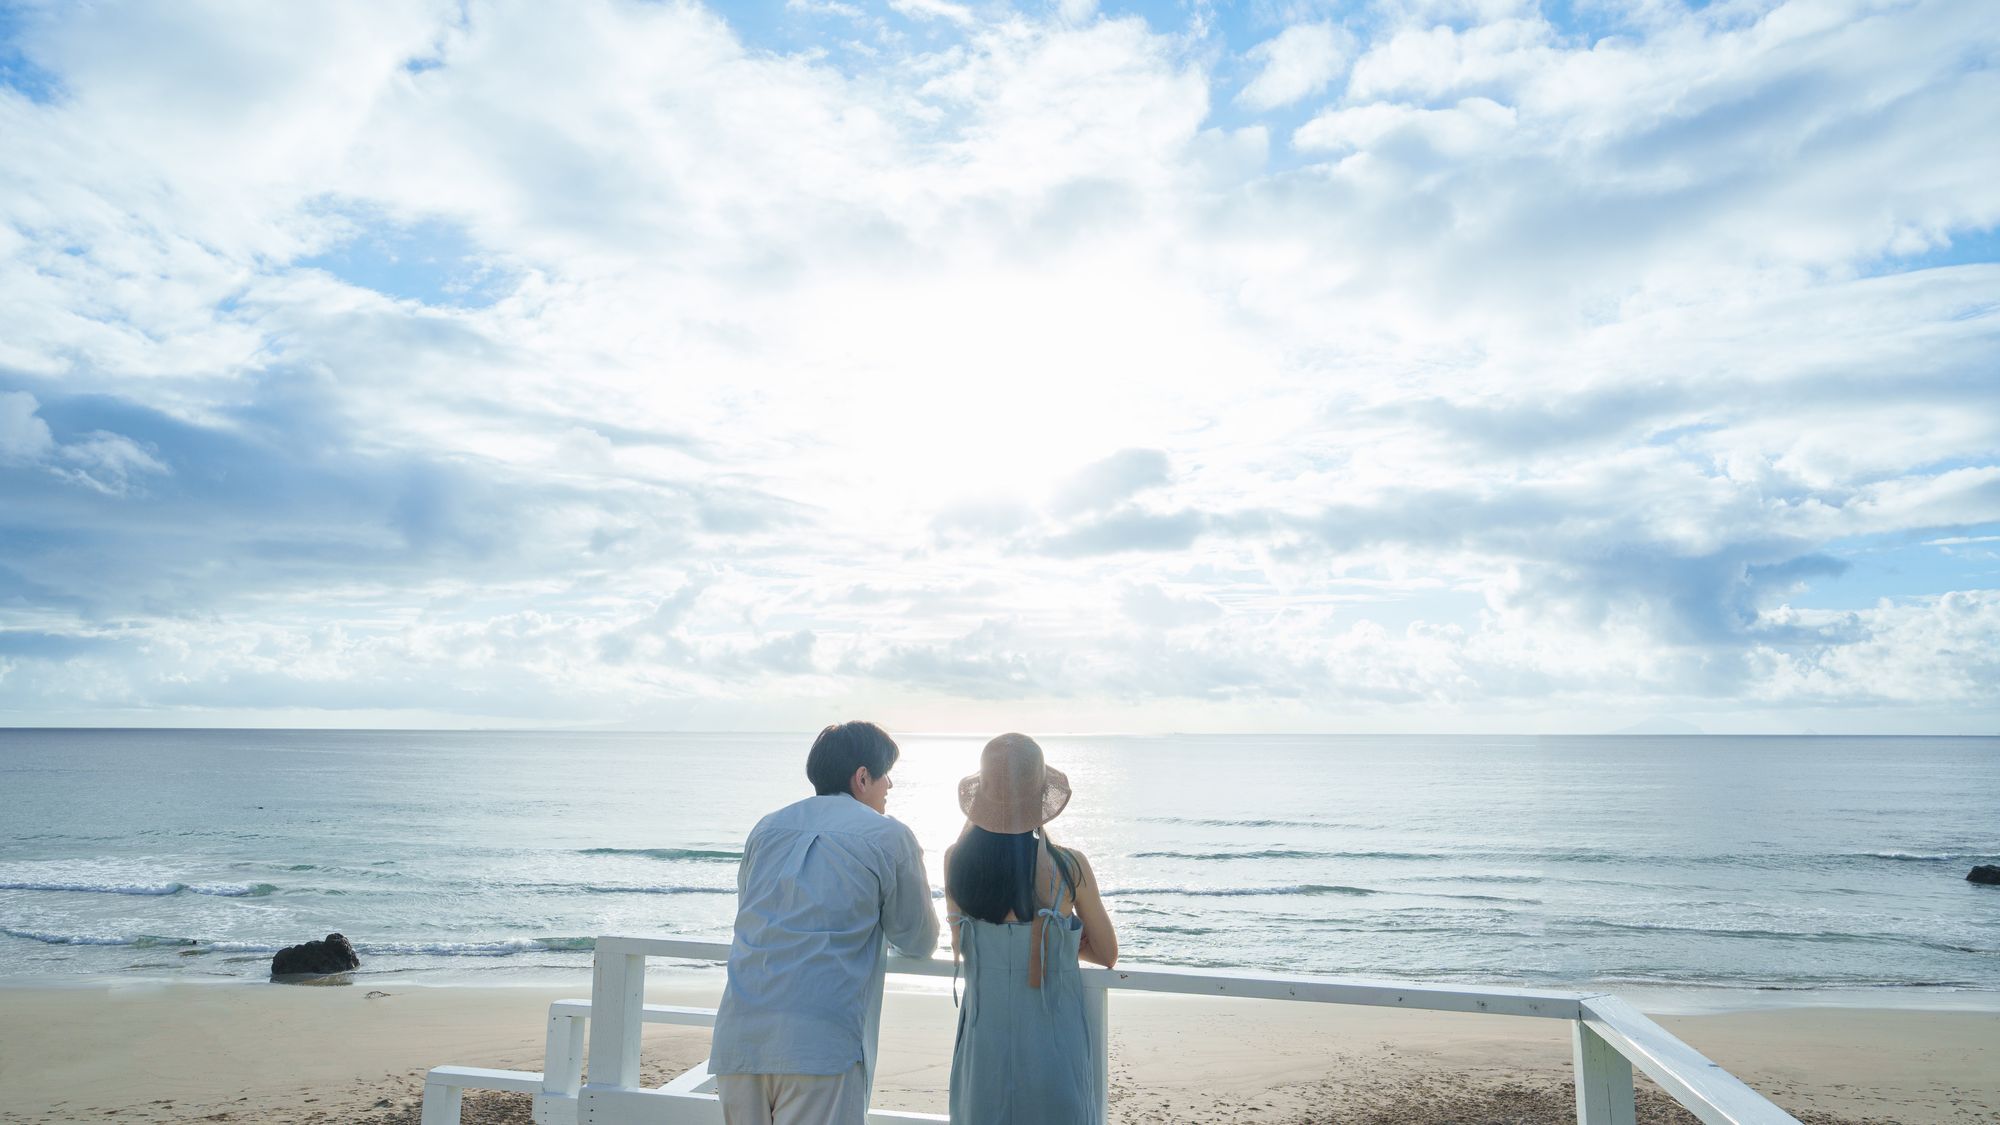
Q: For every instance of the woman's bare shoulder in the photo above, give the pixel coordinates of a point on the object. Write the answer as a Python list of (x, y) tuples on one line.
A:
[(1076, 859)]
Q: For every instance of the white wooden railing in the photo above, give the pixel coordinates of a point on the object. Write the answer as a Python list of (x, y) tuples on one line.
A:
[(1608, 1036)]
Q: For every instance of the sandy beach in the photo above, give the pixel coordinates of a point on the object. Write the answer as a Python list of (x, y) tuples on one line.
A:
[(311, 1056)]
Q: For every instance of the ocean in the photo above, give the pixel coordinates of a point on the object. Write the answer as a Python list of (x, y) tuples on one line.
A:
[(1722, 871)]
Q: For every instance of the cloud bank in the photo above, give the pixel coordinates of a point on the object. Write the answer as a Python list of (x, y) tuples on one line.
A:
[(1407, 366)]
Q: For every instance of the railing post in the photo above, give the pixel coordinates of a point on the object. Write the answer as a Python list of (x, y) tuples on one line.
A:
[(1097, 1021), (441, 1104), (562, 1058), (617, 1001), (1603, 1080)]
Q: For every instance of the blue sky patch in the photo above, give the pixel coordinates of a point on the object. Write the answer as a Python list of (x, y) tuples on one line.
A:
[(1970, 247), (430, 260), (18, 69), (1906, 565)]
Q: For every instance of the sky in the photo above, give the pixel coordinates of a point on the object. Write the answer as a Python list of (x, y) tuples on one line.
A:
[(1385, 365)]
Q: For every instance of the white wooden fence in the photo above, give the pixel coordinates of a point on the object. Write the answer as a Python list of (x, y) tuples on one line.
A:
[(1609, 1037)]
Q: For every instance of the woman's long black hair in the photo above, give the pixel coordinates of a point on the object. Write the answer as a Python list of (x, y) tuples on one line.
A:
[(992, 874)]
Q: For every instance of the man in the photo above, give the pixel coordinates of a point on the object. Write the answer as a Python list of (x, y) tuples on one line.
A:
[(822, 883)]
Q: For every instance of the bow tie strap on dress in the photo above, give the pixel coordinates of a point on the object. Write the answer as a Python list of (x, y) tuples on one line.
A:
[(1043, 933), (1043, 917), (1041, 927), (960, 927)]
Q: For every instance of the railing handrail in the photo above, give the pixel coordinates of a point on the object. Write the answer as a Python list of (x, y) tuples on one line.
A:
[(1711, 1093), (1610, 1034), (1494, 1000)]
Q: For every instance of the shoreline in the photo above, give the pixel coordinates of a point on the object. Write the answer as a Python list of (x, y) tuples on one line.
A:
[(183, 1051), (1653, 999)]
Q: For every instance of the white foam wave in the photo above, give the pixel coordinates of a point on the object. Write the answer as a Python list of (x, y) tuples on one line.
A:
[(221, 890), (232, 890), (95, 939), (659, 889), (501, 948), (1236, 892), (498, 948), (97, 888)]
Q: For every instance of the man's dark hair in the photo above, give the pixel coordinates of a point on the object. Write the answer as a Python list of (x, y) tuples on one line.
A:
[(845, 747)]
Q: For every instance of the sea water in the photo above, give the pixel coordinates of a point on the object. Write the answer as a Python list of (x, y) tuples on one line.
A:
[(1759, 869)]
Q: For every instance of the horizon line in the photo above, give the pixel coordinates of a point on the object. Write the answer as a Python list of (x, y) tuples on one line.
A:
[(984, 734)]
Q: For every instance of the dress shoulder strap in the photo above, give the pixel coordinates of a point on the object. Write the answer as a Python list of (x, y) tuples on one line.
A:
[(1060, 860)]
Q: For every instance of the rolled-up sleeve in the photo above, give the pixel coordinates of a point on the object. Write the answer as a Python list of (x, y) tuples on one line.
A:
[(908, 919)]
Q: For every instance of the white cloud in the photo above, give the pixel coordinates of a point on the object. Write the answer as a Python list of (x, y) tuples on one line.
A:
[(1158, 608), (1076, 11), (1439, 60), (24, 437), (1103, 483), (107, 462), (827, 7), (99, 460), (1928, 650), (1297, 63), (934, 9), (1471, 128)]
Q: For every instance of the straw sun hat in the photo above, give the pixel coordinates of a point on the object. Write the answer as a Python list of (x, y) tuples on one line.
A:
[(1014, 790)]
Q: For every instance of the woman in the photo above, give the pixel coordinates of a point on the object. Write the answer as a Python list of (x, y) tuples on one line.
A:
[(1022, 912)]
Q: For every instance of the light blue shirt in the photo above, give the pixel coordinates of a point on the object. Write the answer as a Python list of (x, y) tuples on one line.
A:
[(822, 883)]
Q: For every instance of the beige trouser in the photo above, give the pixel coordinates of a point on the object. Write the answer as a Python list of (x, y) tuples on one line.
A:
[(794, 1099)]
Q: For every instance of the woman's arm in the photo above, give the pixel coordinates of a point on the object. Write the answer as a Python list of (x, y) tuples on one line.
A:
[(1100, 941)]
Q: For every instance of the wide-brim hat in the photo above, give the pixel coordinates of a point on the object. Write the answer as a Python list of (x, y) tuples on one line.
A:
[(1015, 790)]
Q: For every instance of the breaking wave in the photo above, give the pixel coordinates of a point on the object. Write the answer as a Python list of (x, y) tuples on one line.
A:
[(1284, 853), (223, 890), (1235, 892), (666, 889), (703, 855), (139, 940), (497, 948)]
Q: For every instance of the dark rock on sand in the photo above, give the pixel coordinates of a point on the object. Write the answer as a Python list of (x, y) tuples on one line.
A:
[(315, 958), (1985, 873)]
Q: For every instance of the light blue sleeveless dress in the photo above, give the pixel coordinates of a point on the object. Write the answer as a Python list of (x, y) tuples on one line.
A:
[(1024, 1055)]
